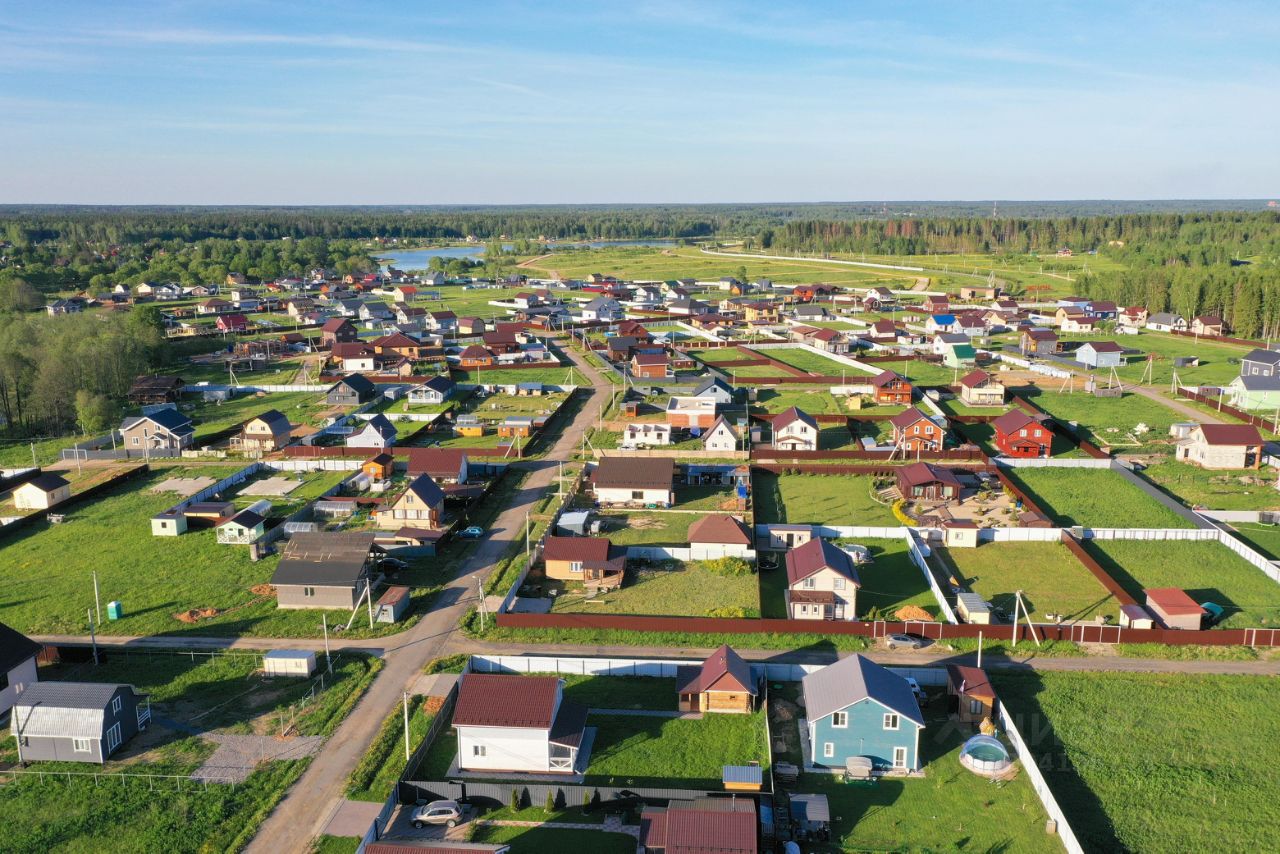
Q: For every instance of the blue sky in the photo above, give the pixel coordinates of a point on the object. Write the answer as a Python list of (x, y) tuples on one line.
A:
[(693, 101)]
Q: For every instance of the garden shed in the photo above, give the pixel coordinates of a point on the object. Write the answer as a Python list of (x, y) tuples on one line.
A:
[(392, 605), (289, 662), (972, 608)]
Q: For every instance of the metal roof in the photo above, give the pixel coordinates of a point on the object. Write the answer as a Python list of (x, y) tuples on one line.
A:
[(750, 774), (634, 473), (503, 700), (810, 808), (66, 709), (852, 680), (334, 559)]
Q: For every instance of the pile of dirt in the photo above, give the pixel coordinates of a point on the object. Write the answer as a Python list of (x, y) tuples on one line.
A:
[(913, 613), (196, 614), (432, 705), (783, 711), (263, 590)]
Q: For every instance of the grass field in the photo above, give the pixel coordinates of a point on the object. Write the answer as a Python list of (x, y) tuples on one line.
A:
[(1207, 570), (1112, 421), (815, 401), (380, 767), (1217, 490), (671, 589), (46, 576), (1264, 538), (889, 582), (818, 499), (798, 357), (1155, 762), (550, 839), (300, 407), (221, 694), (515, 376), (639, 528), (921, 373), (1071, 497), (1214, 367), (1049, 576), (715, 355)]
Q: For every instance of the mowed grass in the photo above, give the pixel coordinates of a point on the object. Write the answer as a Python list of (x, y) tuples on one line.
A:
[(1207, 570), (1051, 579), (815, 401), (46, 581), (1214, 368), (1217, 490), (1098, 498), (1154, 761), (891, 581), (640, 528), (515, 376), (298, 406), (1264, 538), (798, 357), (1112, 422), (650, 751), (671, 589), (921, 373), (818, 500)]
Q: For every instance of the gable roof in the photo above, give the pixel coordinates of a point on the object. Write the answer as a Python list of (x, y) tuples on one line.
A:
[(884, 378), (65, 709), (381, 425), (274, 419), (503, 700), (426, 490), (634, 473), (333, 324), (975, 378), (358, 383), (170, 419), (47, 482), (972, 681), (710, 383), (437, 462), (1259, 354), (853, 679), (918, 474), (816, 555), (1231, 434), (1103, 346), (15, 648), (642, 359), (439, 383), (719, 528), (908, 417), (591, 552), (324, 558), (791, 416), (1013, 421), (701, 826), (723, 662)]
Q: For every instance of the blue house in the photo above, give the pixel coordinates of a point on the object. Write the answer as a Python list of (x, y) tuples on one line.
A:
[(855, 707)]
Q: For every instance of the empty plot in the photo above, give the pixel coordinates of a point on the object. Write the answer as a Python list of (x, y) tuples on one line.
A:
[(272, 486), (184, 486), (1052, 581)]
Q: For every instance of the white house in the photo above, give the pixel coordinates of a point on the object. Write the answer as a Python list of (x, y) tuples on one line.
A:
[(634, 480), (715, 388), (822, 583), (603, 308), (721, 437), (647, 434), (1222, 446), (42, 492), (795, 430), (1164, 321), (513, 723), (379, 433)]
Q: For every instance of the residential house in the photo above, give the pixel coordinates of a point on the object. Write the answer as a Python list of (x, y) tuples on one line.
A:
[(444, 322), (761, 312), (64, 306), (652, 366), (891, 388), (1103, 309), (811, 313), (76, 721), (936, 304), (827, 340), (719, 391), (856, 708), (155, 389), (232, 323), (445, 465), (971, 324), (509, 723), (701, 826), (646, 434), (410, 317), (883, 331), (721, 684), (634, 480), (1222, 446), (926, 482), (337, 330), (351, 391), (436, 390), (474, 356), (1038, 342), (975, 697), (267, 431), (399, 344), (603, 308), (822, 582), (374, 312), (17, 666), (594, 561), (42, 492), (164, 429), (941, 323), (979, 388), (691, 412), (1075, 320), (377, 432), (719, 529), (1207, 324), (979, 292), (874, 299), (404, 293), (214, 306), (1165, 321), (960, 356), (379, 466), (795, 430), (913, 432), (246, 527), (1019, 435), (1100, 354), (300, 307), (1006, 305), (945, 341), (421, 505), (1132, 317), (324, 570), (686, 307), (354, 356), (1254, 392), (471, 326), (721, 437)]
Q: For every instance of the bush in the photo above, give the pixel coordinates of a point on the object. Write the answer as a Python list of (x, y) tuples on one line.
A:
[(448, 664), (727, 612), (900, 513), (551, 803), (733, 567), (515, 801)]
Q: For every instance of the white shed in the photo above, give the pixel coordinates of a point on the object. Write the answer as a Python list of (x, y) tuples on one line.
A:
[(168, 524), (289, 662), (972, 608)]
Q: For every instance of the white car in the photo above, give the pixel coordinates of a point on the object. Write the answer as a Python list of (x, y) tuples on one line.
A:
[(915, 687), (448, 813)]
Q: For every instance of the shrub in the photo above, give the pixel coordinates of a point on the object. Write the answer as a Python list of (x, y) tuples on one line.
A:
[(733, 567), (515, 800), (900, 513), (448, 664), (551, 803), (727, 612)]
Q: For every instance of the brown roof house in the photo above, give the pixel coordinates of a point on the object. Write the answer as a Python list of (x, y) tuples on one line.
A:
[(979, 388), (420, 505), (594, 561), (267, 431), (701, 826), (338, 330), (634, 480), (925, 482), (822, 583), (521, 724), (445, 465), (795, 430), (719, 529), (324, 570), (722, 684), (975, 698), (1174, 608), (1222, 446)]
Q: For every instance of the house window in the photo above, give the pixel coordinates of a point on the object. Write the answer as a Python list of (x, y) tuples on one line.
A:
[(899, 757), (308, 591), (575, 566), (838, 584), (478, 750), (808, 583), (135, 441), (975, 707), (891, 721), (115, 705), (828, 750), (80, 745), (840, 720), (637, 495)]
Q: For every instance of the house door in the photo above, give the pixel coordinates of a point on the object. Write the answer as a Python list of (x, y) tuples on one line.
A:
[(113, 738), (899, 757)]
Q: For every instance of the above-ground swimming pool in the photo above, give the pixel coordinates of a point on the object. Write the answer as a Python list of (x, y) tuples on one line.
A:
[(985, 755)]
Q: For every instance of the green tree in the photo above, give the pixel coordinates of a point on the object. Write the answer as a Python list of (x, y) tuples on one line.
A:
[(94, 412)]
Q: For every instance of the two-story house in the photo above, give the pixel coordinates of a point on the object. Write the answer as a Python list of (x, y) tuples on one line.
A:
[(515, 723), (822, 582), (914, 431), (421, 505), (891, 388), (856, 708), (795, 430)]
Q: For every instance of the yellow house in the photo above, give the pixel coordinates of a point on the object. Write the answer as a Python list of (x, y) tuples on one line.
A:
[(41, 492)]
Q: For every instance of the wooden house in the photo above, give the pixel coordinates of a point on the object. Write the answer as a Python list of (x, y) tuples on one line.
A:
[(971, 691), (891, 388), (420, 505), (722, 684), (979, 388), (926, 482), (594, 561)]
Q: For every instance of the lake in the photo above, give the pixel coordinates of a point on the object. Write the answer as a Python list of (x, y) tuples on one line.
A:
[(419, 259)]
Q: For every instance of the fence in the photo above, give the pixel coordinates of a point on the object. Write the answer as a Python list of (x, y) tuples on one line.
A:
[(916, 551), (1216, 402), (41, 515), (1038, 783), (177, 780), (1051, 463), (1036, 367), (695, 551)]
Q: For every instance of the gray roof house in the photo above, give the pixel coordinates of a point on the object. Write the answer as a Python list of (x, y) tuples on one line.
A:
[(716, 389), (17, 666), (856, 709), (351, 390), (77, 721), (323, 570)]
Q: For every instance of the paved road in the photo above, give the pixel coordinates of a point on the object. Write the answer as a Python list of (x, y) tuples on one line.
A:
[(310, 803)]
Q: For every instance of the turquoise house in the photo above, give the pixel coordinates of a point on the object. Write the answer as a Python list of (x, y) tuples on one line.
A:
[(855, 708)]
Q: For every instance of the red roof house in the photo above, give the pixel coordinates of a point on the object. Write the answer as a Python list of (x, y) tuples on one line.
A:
[(1020, 435), (891, 388)]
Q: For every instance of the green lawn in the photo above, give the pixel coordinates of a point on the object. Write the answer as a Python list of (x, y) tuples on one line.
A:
[(17, 453), (889, 582), (1113, 421), (1049, 576), (648, 751), (1264, 538), (1207, 570), (300, 407), (166, 815), (515, 376), (46, 574), (554, 840), (383, 763), (815, 401), (1214, 369), (818, 499), (1155, 762), (709, 498), (1217, 490), (760, 372), (798, 357), (671, 589), (921, 373), (1071, 497), (720, 354), (641, 528)]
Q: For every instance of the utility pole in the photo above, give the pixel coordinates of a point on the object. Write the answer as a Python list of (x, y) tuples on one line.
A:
[(526, 535), (406, 726), (979, 649), (324, 623), (368, 595), (483, 607), (93, 639), (97, 605)]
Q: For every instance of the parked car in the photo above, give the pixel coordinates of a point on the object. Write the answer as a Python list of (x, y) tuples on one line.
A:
[(915, 687), (394, 564), (448, 813), (474, 532), (904, 641)]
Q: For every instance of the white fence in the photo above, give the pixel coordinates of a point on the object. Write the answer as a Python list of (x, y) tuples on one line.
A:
[(1269, 567), (318, 464), (1151, 533), (1037, 367), (695, 551), (1051, 463), (1038, 783), (1235, 515), (230, 480), (919, 558), (1020, 535)]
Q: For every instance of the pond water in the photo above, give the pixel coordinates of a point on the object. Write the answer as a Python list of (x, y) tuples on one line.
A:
[(419, 259)]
